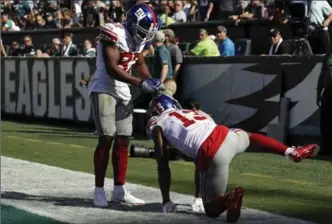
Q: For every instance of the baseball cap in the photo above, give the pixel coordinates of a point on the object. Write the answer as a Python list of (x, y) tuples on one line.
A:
[(273, 32), (203, 31), (169, 32), (159, 37), (222, 29)]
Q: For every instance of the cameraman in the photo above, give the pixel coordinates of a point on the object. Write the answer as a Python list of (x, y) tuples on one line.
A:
[(320, 18)]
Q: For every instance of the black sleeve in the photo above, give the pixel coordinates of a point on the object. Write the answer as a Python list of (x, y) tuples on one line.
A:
[(73, 50), (284, 48)]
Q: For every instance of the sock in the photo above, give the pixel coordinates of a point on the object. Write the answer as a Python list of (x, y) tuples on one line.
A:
[(262, 140), (99, 189), (119, 188), (120, 162), (288, 151), (101, 157)]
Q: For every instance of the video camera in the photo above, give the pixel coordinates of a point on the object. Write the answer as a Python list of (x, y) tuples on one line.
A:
[(298, 17)]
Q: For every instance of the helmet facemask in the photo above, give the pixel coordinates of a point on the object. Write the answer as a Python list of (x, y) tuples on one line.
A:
[(143, 34)]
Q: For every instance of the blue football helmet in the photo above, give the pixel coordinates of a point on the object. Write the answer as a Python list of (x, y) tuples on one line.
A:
[(141, 23), (161, 103)]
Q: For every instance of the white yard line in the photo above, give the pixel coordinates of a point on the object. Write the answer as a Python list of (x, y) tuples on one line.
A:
[(66, 196)]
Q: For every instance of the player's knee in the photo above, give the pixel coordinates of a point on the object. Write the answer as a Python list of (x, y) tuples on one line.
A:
[(121, 142), (104, 142)]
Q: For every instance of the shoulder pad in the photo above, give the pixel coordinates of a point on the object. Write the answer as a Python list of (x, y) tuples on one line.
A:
[(111, 32), (151, 125)]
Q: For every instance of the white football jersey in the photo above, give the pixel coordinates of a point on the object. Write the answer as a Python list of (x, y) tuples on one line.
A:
[(185, 130), (102, 82)]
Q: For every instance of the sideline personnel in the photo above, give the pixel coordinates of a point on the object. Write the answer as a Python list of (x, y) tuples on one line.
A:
[(324, 101)]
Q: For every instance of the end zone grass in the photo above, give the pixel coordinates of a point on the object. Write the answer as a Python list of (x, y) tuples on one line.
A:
[(272, 183)]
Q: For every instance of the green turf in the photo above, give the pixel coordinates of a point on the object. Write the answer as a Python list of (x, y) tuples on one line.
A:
[(12, 215), (273, 184)]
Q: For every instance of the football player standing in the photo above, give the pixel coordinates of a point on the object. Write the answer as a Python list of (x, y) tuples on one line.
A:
[(119, 48)]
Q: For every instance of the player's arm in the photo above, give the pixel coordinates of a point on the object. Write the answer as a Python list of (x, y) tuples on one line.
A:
[(111, 55), (141, 67), (161, 154)]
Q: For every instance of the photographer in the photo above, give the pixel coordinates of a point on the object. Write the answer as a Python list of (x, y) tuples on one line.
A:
[(320, 18)]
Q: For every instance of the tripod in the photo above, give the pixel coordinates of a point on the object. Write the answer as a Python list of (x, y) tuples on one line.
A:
[(302, 46)]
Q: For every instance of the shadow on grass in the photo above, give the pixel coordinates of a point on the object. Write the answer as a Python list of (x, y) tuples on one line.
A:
[(88, 203)]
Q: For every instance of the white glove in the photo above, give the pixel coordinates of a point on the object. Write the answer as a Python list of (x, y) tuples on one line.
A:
[(197, 206), (169, 207)]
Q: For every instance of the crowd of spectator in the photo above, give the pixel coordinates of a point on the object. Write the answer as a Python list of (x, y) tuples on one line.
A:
[(40, 14), (58, 48)]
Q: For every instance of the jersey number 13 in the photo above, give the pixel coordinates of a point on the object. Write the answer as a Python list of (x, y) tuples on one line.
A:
[(192, 117)]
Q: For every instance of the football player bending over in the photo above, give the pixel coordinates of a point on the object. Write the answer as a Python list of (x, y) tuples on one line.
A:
[(120, 47), (212, 146)]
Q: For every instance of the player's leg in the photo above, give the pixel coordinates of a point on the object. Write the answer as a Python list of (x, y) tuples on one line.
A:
[(214, 182), (124, 129), (294, 153), (103, 110)]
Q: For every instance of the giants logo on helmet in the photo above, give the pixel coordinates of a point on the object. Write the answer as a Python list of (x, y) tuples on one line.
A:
[(140, 14)]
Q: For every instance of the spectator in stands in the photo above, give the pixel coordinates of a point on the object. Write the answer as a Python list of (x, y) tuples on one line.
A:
[(15, 49), (186, 7), (40, 54), (75, 18), (6, 7), (205, 8), (8, 24), (171, 7), (179, 15), (101, 15), (164, 16), (162, 64), (278, 47), (88, 51), (55, 49), (28, 49), (225, 45), (206, 47), (190, 8), (116, 12), (69, 48), (30, 22), (58, 19), (174, 51), (40, 22), (66, 18), (254, 10), (89, 14), (228, 8), (275, 13), (50, 21)]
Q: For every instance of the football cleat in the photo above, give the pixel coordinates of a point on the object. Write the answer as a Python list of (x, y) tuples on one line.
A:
[(197, 206), (100, 198), (234, 204), (126, 198), (169, 207), (303, 152)]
